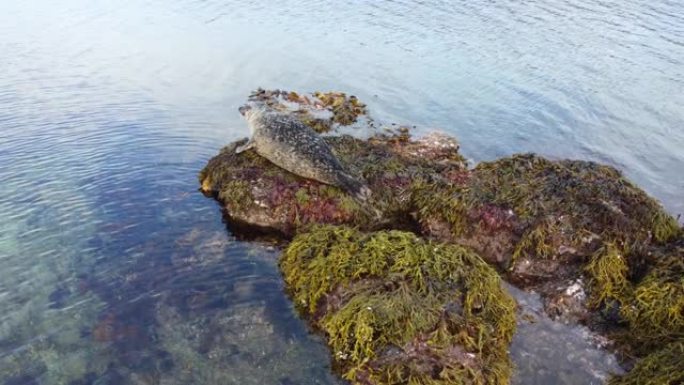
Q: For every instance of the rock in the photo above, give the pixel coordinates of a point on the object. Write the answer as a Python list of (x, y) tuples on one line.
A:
[(259, 194), (398, 309), (597, 248), (535, 217)]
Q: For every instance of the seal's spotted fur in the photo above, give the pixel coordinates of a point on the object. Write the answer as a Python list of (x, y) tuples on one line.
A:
[(295, 147)]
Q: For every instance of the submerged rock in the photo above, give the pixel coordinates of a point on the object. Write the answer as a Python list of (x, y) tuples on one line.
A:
[(397, 309)]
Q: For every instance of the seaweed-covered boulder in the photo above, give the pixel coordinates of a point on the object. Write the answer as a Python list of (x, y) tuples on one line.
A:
[(649, 300), (400, 310), (260, 194), (542, 221), (535, 217), (597, 247)]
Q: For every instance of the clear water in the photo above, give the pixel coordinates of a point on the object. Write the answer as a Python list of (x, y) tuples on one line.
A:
[(115, 270)]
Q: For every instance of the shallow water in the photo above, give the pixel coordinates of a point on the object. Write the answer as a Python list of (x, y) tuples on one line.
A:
[(115, 270)]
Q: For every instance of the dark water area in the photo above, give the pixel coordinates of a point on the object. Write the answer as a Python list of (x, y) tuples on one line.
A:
[(114, 269)]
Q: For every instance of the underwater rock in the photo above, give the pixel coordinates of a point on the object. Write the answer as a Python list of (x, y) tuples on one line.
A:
[(398, 309), (259, 194), (236, 345), (21, 380)]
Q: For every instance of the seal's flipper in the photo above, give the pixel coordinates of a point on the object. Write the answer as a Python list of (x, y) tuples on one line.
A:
[(249, 145), (353, 186)]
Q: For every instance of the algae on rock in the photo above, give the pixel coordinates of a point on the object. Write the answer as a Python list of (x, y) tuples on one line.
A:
[(322, 111), (258, 193), (663, 367), (546, 222), (650, 300), (398, 309), (551, 225), (553, 210)]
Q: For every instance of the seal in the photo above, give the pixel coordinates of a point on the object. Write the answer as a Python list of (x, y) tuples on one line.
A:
[(295, 147)]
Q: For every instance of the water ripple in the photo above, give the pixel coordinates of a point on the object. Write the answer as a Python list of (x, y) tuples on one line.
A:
[(107, 250)]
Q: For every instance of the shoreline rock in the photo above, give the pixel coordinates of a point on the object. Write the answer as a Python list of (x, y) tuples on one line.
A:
[(599, 250)]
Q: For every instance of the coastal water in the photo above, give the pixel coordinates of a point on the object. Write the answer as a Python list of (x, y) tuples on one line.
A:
[(114, 269)]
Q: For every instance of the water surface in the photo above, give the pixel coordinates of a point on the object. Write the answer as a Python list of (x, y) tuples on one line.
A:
[(115, 270)]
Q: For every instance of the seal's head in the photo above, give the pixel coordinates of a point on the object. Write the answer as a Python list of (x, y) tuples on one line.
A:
[(251, 108), (252, 112), (244, 109)]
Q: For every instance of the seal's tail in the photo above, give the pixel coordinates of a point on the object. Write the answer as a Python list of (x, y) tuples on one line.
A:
[(354, 187)]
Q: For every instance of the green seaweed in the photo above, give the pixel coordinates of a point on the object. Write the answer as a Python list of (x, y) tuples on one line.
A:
[(444, 202), (609, 276), (397, 309), (662, 367), (239, 193), (535, 242), (655, 311), (665, 227), (652, 307), (302, 196)]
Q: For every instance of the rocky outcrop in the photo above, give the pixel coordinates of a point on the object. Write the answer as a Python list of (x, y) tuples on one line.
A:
[(597, 247), (258, 193)]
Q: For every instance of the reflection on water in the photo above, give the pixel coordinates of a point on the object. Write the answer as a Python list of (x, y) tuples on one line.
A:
[(115, 270)]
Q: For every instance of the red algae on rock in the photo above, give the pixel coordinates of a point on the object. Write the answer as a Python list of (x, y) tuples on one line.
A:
[(259, 193)]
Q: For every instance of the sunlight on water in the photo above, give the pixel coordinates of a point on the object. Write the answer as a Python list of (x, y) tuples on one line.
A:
[(115, 270)]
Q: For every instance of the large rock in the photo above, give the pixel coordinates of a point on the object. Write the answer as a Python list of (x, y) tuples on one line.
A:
[(549, 224), (533, 216), (257, 193), (597, 247), (400, 310)]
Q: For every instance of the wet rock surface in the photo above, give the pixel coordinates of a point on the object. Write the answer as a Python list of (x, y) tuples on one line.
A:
[(598, 249)]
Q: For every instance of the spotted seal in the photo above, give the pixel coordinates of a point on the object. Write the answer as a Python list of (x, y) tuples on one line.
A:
[(290, 144)]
